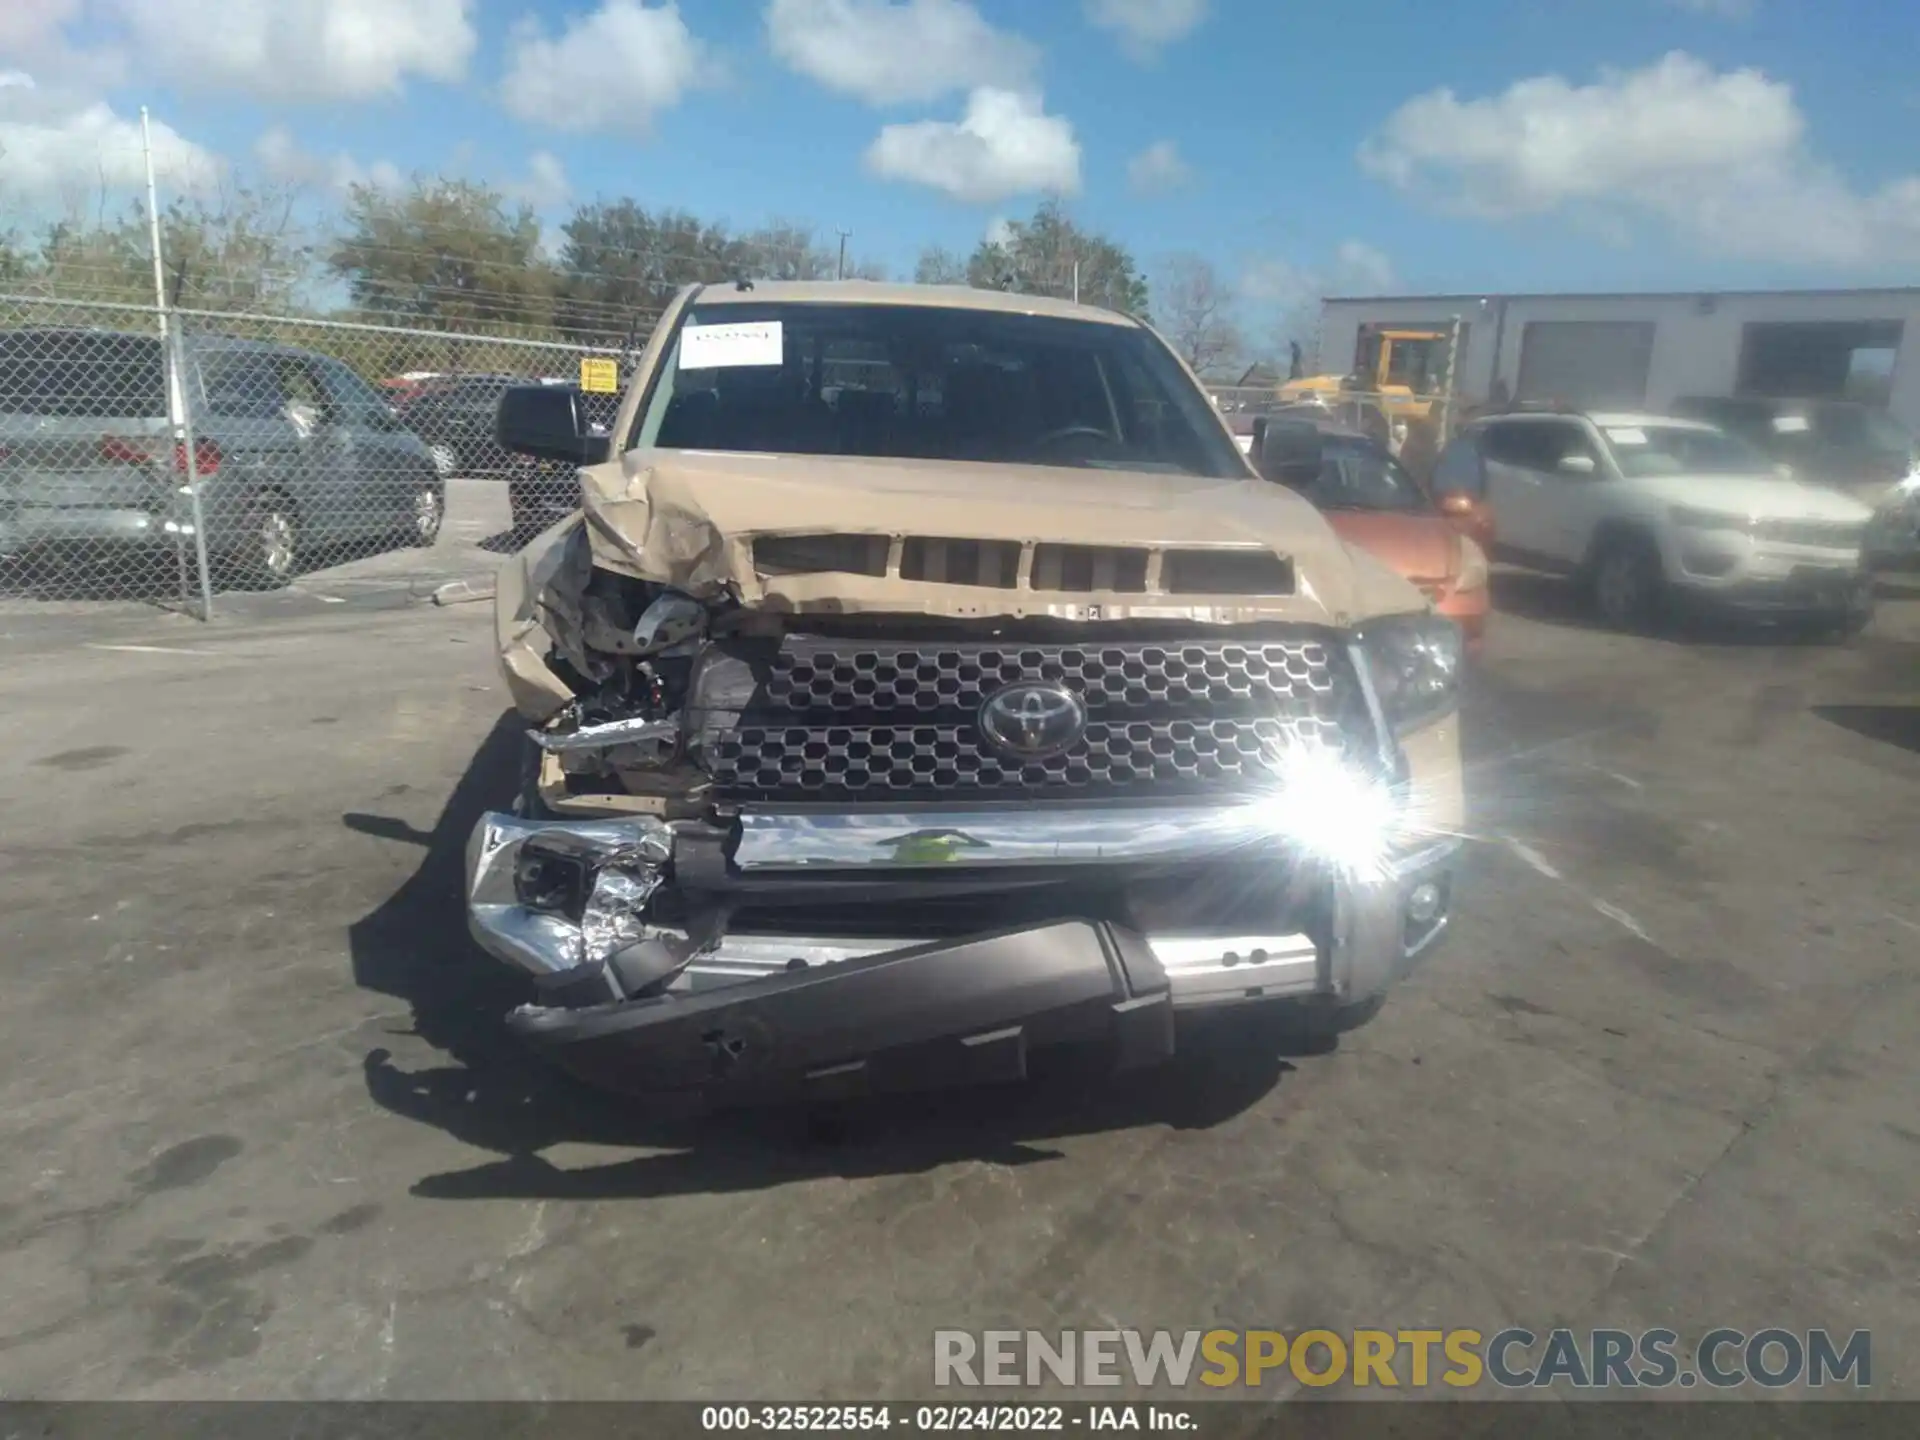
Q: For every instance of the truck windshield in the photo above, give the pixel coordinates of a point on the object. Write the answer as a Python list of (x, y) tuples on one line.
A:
[(924, 382), (1642, 450)]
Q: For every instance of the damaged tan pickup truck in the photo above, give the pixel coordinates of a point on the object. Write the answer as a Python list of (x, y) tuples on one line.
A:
[(927, 678)]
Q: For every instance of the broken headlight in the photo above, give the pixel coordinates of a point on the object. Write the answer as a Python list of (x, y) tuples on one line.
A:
[(544, 880), (1414, 664), (614, 916)]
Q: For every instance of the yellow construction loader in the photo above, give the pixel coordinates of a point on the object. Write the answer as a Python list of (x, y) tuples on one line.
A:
[(1406, 369)]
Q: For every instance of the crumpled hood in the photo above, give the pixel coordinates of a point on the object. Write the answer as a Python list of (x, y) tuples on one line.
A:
[(688, 519)]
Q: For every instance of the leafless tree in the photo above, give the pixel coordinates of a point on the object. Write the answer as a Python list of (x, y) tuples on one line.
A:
[(939, 266), (1195, 309)]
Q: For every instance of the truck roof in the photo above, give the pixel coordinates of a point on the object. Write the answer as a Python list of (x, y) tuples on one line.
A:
[(873, 292)]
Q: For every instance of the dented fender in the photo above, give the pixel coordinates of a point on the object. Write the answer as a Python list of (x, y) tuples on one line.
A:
[(535, 603)]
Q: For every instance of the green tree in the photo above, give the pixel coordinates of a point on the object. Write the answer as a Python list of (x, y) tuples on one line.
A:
[(621, 263), (788, 250), (15, 261), (783, 250), (244, 250), (79, 259), (1042, 255), (445, 253)]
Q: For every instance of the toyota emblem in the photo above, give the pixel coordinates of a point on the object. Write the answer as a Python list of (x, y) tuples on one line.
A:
[(1031, 722)]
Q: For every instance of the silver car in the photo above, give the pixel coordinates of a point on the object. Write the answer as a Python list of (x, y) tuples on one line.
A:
[(293, 453)]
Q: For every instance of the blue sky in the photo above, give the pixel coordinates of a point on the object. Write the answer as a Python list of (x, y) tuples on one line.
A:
[(1386, 145)]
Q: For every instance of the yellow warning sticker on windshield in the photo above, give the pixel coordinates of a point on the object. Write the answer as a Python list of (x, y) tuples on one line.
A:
[(600, 375)]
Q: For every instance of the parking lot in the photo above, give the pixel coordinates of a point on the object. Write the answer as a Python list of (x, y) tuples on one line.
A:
[(55, 606), (266, 1138)]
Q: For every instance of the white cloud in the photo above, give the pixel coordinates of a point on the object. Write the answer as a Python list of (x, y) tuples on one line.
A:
[(1719, 9), (1144, 26), (28, 24), (613, 69), (282, 158), (999, 231), (57, 153), (889, 54), (1004, 145), (545, 184), (1719, 156), (1357, 268), (301, 49), (1158, 169), (1360, 266)]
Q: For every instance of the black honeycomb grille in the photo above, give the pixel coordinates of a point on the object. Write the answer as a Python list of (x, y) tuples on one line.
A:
[(839, 720)]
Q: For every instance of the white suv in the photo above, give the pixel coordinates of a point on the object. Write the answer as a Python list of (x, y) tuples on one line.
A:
[(1647, 510)]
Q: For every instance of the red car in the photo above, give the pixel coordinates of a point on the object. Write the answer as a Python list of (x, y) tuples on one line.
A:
[(1372, 501)]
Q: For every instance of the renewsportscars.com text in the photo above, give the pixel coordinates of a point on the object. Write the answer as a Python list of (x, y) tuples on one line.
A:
[(1721, 1359)]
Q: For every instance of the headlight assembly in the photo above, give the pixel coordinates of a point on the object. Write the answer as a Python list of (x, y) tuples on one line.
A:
[(1414, 664)]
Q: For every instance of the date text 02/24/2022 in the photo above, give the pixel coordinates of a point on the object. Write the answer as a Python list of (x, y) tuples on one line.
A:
[(939, 1419)]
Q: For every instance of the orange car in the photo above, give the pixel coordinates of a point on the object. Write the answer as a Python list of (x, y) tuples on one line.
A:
[(1373, 502)]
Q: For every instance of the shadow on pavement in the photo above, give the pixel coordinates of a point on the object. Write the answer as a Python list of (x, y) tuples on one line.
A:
[(101, 575), (504, 543), (1891, 724), (1548, 599), (495, 1096), (159, 578), (1558, 600)]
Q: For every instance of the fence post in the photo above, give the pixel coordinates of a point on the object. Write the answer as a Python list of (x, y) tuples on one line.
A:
[(173, 361), (1447, 391)]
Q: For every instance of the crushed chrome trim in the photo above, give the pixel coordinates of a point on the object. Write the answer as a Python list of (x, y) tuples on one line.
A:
[(936, 839)]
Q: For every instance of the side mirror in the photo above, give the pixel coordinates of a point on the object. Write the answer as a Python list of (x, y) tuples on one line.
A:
[(1576, 465), (1287, 447), (545, 421)]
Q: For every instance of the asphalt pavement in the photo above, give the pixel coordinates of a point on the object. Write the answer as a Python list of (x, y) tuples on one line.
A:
[(266, 1138)]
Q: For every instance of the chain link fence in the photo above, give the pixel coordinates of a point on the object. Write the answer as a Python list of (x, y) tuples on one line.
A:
[(174, 456), (1415, 427)]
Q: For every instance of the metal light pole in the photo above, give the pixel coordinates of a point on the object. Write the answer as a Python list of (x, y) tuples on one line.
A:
[(840, 270), (1447, 391), (179, 416)]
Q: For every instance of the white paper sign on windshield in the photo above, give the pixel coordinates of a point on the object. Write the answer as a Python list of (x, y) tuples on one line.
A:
[(1627, 435), (1790, 424), (724, 347)]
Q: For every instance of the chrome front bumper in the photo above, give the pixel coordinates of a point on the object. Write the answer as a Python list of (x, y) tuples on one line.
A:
[(1372, 940)]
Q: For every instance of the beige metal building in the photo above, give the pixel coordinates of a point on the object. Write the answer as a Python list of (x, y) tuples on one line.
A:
[(1646, 350)]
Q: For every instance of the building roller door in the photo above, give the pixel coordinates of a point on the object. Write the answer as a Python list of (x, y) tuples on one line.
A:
[(1595, 364)]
